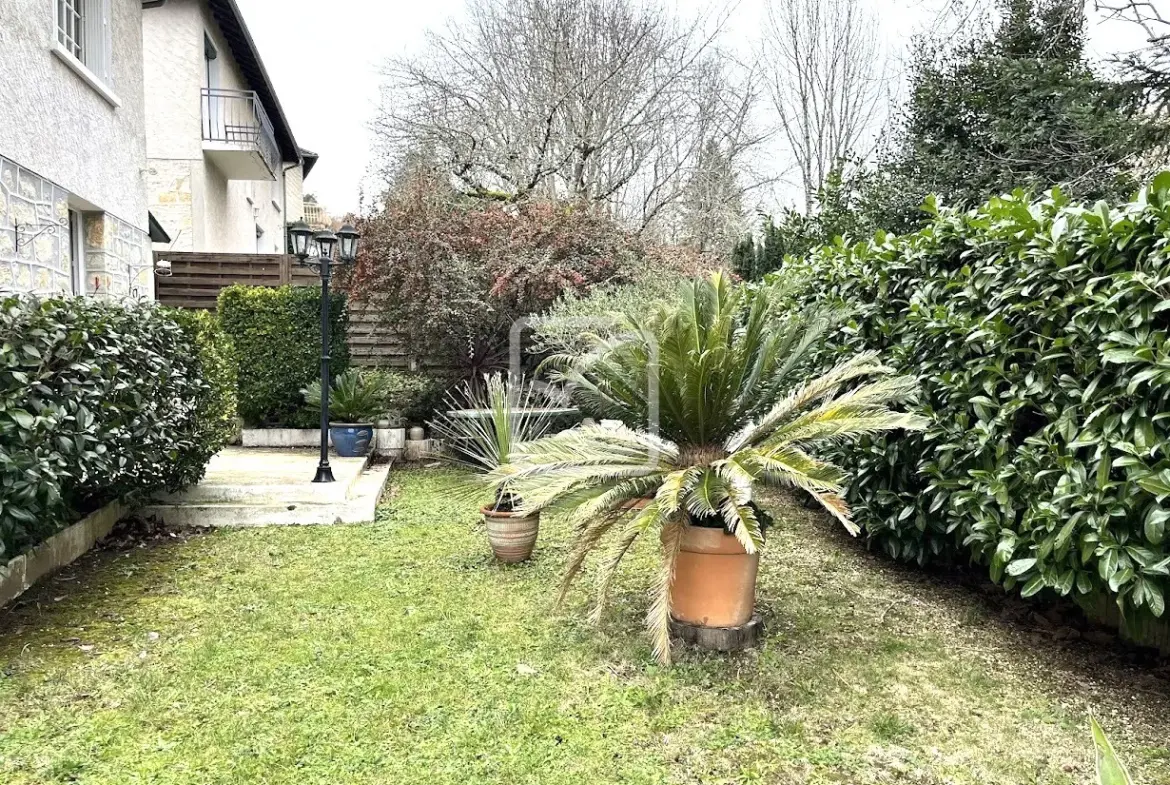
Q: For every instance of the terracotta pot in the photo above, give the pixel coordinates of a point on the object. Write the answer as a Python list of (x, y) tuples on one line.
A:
[(714, 579), (512, 536)]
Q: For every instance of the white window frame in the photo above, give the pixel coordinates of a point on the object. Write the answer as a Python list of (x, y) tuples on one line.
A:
[(83, 40), (77, 243)]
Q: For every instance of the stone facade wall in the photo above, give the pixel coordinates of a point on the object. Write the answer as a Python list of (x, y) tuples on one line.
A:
[(72, 140), (45, 263), (116, 259), (118, 262), (172, 201), (55, 124)]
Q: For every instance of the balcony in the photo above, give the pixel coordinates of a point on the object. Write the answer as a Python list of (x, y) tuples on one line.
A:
[(238, 136)]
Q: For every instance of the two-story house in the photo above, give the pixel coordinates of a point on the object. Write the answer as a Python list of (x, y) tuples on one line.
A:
[(224, 173), (73, 202), (124, 122)]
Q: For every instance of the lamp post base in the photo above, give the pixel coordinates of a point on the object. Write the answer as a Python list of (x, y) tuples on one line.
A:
[(324, 474)]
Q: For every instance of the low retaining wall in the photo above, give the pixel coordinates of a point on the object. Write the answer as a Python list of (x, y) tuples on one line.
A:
[(388, 442), (280, 437), (59, 550), (1140, 627)]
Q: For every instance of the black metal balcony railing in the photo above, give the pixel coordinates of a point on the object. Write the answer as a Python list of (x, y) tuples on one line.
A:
[(237, 117)]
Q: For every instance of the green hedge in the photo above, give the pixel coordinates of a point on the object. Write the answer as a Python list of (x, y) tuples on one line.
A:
[(98, 401), (1039, 333), (277, 338), (218, 404)]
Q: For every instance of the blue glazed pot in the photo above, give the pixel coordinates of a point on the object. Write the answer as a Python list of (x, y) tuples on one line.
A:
[(351, 441)]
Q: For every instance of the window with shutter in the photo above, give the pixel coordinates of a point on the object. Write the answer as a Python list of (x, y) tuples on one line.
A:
[(83, 31)]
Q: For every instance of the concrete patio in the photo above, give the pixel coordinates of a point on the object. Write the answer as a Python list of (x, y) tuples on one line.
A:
[(272, 487)]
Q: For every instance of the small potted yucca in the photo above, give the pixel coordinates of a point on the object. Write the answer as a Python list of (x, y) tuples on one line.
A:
[(483, 424)]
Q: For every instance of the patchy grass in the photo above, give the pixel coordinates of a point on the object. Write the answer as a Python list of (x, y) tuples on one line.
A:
[(400, 653)]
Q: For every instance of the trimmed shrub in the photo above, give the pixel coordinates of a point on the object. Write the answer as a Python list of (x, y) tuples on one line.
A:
[(277, 339), (1039, 334), (570, 323), (217, 407), (98, 401), (412, 397)]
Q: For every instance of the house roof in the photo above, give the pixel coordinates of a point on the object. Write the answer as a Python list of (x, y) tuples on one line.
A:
[(309, 159), (247, 56)]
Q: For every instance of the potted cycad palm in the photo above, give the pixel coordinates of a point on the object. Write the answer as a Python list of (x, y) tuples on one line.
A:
[(356, 399), (714, 405), (483, 424)]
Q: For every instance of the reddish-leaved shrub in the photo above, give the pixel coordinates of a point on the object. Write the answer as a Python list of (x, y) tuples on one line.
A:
[(451, 275)]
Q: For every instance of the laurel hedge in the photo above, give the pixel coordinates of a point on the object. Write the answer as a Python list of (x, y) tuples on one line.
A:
[(277, 337), (218, 405), (98, 401), (1038, 331)]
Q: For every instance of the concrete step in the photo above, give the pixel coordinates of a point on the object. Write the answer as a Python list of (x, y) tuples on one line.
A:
[(262, 492)]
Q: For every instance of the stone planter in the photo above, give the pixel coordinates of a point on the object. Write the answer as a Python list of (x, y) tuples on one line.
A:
[(280, 437), (417, 450), (390, 442), (59, 550), (511, 536)]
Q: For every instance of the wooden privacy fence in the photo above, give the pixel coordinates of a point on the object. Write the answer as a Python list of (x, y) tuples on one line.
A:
[(197, 278), (372, 343)]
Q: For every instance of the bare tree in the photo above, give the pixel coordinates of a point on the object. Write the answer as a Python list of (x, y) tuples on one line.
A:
[(608, 101), (827, 81), (711, 212), (1151, 64)]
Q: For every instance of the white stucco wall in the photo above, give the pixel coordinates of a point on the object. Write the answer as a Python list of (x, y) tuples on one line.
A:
[(200, 209), (173, 75), (294, 191), (56, 125), (68, 144)]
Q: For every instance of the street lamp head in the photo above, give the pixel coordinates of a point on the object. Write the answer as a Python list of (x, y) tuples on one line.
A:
[(326, 241), (300, 234), (348, 239)]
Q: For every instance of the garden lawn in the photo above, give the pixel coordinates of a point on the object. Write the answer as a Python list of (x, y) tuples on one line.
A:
[(399, 652)]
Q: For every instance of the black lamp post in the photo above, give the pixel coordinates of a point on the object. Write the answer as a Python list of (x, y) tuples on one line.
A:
[(322, 263)]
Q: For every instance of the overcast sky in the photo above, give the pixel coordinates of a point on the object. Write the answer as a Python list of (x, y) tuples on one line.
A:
[(324, 57)]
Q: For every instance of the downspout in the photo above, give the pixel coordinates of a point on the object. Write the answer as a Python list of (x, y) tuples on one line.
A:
[(284, 203)]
